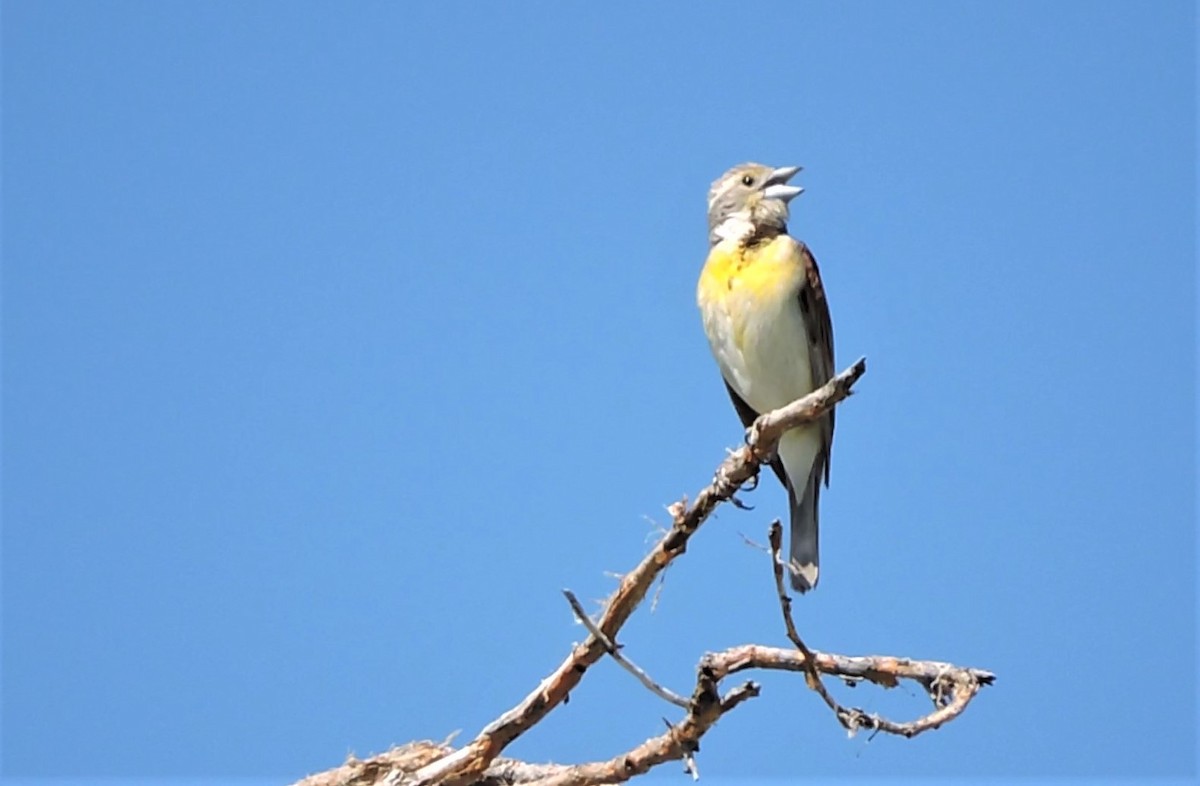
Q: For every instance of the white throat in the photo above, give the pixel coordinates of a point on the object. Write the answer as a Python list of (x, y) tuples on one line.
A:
[(734, 227)]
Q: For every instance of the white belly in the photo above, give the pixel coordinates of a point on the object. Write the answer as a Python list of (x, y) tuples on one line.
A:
[(761, 347)]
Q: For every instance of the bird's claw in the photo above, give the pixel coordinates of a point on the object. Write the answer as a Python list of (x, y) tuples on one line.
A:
[(737, 503)]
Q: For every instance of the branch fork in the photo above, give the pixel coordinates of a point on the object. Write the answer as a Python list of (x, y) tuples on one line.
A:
[(479, 762)]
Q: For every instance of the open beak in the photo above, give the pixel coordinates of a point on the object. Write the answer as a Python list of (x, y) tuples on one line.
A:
[(777, 187)]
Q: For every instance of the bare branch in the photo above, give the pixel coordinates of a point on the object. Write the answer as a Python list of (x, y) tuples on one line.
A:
[(614, 652), (811, 676), (473, 759), (680, 742), (479, 763), (952, 687), (396, 765), (766, 431)]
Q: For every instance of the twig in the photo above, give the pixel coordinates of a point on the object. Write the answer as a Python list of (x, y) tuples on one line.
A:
[(681, 741), (960, 685), (883, 670), (811, 676), (754, 544), (765, 432), (614, 652)]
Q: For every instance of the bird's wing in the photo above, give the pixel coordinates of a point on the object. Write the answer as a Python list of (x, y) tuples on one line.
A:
[(815, 311), (748, 416)]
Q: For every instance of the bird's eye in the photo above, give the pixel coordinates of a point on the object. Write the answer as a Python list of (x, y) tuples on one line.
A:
[(747, 180)]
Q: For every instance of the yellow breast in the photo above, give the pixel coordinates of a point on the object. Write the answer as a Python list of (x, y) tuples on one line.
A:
[(748, 301), (757, 271), (746, 281)]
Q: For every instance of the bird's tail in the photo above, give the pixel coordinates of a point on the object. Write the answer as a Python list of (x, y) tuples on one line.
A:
[(803, 557)]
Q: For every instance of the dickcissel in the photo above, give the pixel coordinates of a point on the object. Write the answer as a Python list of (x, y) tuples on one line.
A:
[(768, 325)]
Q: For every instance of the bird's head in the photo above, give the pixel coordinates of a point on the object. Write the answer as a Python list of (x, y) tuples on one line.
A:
[(750, 199)]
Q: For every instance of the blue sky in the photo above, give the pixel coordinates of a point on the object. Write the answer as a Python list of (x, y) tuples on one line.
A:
[(338, 338)]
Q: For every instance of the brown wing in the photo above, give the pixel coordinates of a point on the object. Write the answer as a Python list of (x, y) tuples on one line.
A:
[(748, 416), (815, 310)]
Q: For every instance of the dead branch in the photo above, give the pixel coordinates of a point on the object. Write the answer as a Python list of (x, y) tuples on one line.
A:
[(479, 762), (811, 676), (679, 742), (397, 765), (950, 687), (473, 759), (614, 652)]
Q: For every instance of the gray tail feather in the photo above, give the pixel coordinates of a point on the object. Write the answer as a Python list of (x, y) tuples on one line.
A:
[(803, 555)]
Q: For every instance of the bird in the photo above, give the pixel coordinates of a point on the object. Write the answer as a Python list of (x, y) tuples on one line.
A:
[(768, 325)]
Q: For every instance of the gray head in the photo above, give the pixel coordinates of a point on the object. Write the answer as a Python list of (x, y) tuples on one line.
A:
[(750, 199)]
